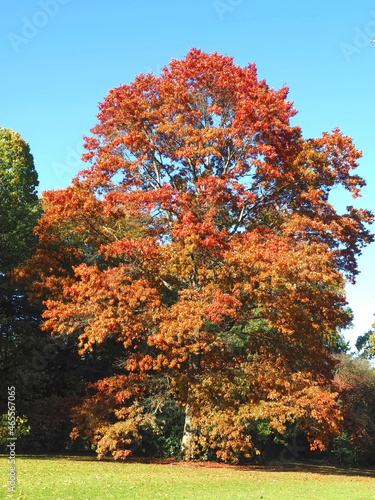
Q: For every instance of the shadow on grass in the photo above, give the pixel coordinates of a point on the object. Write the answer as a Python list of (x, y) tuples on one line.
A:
[(41, 456), (328, 470)]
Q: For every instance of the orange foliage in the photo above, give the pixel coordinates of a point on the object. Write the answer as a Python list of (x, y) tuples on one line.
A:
[(206, 244)]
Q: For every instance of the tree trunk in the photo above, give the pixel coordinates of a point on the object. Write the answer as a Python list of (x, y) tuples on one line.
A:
[(187, 435), (190, 431)]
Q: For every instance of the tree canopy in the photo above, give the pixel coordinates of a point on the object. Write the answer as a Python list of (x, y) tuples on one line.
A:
[(18, 199), (202, 240), (19, 212)]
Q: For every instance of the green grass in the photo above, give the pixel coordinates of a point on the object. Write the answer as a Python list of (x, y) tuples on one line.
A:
[(81, 478)]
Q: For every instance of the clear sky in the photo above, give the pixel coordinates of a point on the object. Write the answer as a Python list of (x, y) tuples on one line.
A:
[(59, 58)]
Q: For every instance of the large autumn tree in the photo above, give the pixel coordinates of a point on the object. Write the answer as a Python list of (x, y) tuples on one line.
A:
[(201, 239)]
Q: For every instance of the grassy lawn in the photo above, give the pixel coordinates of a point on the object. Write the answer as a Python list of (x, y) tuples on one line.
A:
[(81, 478)]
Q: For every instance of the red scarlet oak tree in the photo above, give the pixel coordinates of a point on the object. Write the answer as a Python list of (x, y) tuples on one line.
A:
[(201, 237)]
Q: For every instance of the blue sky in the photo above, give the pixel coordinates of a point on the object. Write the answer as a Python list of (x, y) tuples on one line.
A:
[(59, 58)]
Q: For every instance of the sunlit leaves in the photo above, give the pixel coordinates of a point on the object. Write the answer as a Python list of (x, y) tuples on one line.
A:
[(19, 206), (207, 245)]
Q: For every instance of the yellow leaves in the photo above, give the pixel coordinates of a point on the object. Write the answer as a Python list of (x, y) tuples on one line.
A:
[(272, 395)]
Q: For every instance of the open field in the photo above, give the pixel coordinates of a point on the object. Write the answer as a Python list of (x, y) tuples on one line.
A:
[(81, 478)]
